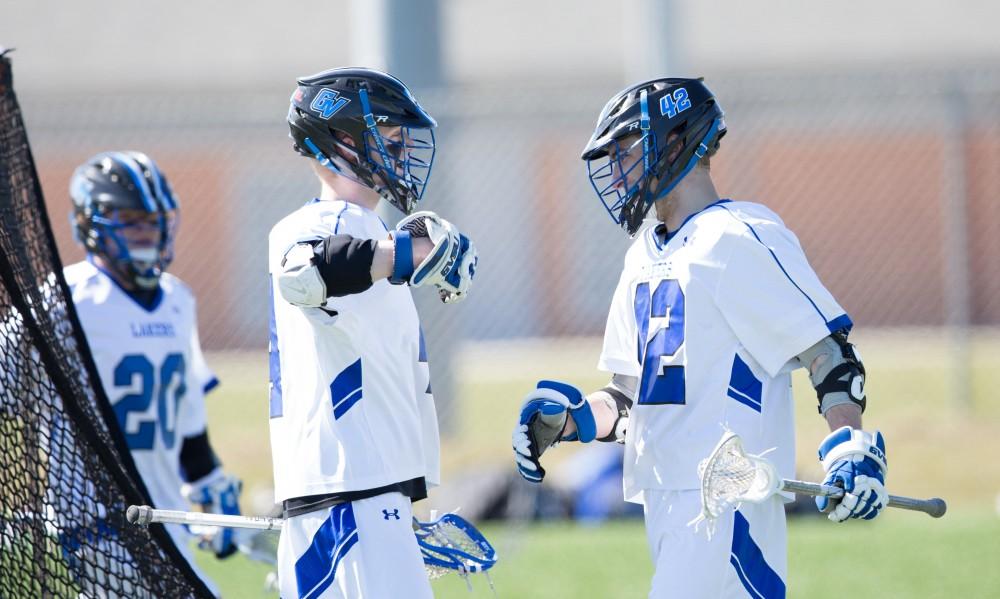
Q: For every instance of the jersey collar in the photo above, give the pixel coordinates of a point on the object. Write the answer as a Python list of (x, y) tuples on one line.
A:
[(148, 302), (661, 237)]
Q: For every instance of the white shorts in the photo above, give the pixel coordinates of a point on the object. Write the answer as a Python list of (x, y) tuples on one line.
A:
[(746, 557), (364, 549)]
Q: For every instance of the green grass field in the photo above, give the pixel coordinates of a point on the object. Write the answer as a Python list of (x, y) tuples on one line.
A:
[(935, 447)]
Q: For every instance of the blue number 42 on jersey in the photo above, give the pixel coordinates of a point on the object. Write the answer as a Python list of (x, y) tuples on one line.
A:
[(662, 355)]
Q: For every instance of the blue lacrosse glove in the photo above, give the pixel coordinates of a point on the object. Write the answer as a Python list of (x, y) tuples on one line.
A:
[(451, 264), (855, 461), (218, 493), (458, 280), (542, 422)]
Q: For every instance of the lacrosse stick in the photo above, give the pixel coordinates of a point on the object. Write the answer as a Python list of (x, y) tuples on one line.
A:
[(730, 476), (448, 544), (452, 544)]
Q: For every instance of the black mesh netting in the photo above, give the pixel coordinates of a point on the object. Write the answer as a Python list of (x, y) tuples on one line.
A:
[(65, 478)]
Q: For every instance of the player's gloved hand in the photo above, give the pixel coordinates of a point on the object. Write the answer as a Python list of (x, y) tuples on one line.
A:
[(450, 265), (218, 493), (542, 422), (855, 461)]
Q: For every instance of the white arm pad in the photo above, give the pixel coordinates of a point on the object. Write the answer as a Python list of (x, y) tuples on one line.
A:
[(299, 281)]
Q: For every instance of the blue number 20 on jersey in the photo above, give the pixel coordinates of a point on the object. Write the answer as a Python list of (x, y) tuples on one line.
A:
[(661, 381), (167, 394)]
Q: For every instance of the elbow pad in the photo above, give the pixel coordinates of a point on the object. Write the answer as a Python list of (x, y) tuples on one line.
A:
[(345, 264), (299, 280), (619, 391), (336, 266), (197, 460), (836, 372)]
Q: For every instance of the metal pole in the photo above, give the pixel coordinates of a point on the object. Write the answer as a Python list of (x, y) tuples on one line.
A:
[(957, 280), (403, 38), (652, 40)]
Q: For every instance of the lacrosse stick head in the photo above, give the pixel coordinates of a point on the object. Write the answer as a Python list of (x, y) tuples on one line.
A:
[(452, 544), (730, 476)]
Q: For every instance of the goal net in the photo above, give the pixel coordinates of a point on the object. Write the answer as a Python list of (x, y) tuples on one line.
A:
[(66, 477)]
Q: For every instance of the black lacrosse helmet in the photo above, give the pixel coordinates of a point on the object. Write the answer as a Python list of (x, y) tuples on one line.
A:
[(334, 106), (125, 212), (675, 122)]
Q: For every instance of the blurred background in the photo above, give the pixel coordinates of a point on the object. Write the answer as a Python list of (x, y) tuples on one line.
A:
[(873, 129)]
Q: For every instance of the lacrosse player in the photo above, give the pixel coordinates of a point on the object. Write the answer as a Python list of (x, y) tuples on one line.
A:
[(353, 426), (142, 330), (715, 307)]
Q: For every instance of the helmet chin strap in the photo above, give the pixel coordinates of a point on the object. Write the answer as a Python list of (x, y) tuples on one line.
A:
[(373, 128), (644, 127)]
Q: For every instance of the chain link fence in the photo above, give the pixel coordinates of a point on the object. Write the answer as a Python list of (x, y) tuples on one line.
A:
[(889, 178)]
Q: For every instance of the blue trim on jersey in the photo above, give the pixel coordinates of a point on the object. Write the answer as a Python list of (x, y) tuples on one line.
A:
[(752, 569), (336, 227), (744, 387), (275, 405), (153, 305), (778, 262), (422, 352), (744, 399), (316, 568), (841, 322), (345, 390), (71, 539), (210, 385)]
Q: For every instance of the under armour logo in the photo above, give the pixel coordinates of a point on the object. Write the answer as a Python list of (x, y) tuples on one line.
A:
[(394, 513), (327, 102)]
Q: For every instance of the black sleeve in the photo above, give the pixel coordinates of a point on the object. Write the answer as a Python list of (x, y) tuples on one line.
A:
[(197, 458), (345, 264)]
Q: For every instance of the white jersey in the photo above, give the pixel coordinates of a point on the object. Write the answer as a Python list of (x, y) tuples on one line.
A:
[(351, 406), (710, 322), (153, 373), (152, 370)]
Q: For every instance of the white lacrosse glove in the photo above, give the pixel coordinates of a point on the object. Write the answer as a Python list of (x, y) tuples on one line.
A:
[(542, 421), (218, 493), (855, 461), (451, 264)]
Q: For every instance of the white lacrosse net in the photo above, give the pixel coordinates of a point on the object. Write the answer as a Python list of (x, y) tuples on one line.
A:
[(448, 536), (730, 476)]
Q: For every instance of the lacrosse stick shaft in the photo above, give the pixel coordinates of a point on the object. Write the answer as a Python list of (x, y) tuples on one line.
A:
[(143, 515), (935, 507)]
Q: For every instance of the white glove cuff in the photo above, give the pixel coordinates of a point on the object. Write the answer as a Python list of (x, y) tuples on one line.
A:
[(861, 444)]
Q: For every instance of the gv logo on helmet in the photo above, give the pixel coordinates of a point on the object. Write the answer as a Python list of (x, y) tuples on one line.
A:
[(327, 103)]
